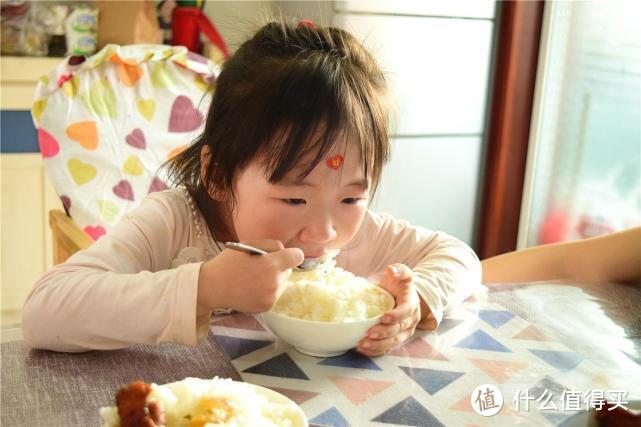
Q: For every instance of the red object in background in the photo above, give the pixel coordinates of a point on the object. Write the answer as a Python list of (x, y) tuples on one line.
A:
[(592, 227), (554, 227), (558, 226), (188, 23)]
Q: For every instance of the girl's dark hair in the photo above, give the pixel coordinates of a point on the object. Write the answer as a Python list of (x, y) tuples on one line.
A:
[(286, 94)]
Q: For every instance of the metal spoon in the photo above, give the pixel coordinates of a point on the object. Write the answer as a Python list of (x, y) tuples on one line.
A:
[(308, 263)]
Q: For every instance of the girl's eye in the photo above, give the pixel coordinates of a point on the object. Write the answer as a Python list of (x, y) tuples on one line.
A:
[(294, 202), (352, 200)]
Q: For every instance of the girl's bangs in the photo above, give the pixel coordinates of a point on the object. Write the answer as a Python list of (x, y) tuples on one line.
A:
[(308, 127)]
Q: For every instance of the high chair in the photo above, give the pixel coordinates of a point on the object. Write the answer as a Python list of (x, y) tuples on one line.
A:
[(106, 123)]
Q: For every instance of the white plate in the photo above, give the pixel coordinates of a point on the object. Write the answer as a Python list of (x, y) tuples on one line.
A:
[(273, 396), (109, 415)]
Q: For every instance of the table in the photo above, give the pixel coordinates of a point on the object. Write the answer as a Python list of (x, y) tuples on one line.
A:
[(548, 346), (540, 343), (44, 388)]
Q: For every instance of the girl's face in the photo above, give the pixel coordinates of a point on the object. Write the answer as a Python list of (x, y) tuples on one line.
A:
[(321, 212)]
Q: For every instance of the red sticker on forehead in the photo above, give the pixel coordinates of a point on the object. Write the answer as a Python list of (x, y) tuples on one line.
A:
[(335, 162)]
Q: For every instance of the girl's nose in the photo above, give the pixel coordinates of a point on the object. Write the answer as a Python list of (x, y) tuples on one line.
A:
[(319, 229)]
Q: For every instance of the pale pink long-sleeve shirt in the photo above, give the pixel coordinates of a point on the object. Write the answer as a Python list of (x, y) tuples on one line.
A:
[(139, 283)]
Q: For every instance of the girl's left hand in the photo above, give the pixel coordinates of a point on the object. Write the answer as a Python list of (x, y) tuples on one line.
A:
[(398, 324)]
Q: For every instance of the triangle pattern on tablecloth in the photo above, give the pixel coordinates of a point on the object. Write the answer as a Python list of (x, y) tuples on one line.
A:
[(472, 298), (408, 412), (351, 359), (500, 371), (546, 385), (279, 366), (358, 390), (548, 393), (331, 417), (419, 349), (496, 318), (530, 333), (463, 404), (480, 340), (236, 347), (562, 360), (298, 396), (544, 394), (431, 380)]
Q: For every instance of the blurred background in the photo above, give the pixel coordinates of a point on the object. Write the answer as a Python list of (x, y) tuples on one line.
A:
[(518, 123)]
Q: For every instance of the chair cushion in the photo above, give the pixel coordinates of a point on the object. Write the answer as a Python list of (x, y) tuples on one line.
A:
[(107, 122)]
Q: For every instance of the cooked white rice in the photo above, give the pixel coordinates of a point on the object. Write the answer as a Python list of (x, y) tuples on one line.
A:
[(183, 402), (331, 294)]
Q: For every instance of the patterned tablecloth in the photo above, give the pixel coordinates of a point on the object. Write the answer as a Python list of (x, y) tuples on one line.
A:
[(551, 350)]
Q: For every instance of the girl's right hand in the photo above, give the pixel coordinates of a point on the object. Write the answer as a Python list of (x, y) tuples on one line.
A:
[(247, 283)]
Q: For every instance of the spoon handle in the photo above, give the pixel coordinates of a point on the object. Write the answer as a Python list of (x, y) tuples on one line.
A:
[(245, 248), (308, 264)]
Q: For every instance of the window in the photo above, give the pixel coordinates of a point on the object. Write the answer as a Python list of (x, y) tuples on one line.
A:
[(584, 164)]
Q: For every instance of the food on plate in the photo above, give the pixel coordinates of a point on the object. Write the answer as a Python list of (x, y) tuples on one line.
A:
[(331, 294), (195, 402)]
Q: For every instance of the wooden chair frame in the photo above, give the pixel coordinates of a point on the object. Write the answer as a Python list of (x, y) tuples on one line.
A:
[(67, 237)]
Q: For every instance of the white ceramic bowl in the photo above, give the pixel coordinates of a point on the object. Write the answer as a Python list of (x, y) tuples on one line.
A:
[(320, 339)]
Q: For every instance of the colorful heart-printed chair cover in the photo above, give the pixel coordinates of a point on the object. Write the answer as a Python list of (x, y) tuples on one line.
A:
[(107, 122)]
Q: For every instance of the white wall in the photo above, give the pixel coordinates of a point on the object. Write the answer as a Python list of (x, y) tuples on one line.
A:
[(320, 12), (237, 20)]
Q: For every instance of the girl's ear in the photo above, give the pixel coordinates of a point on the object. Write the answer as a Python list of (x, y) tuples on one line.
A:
[(214, 191)]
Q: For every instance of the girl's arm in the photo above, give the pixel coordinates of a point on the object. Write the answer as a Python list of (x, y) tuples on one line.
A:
[(445, 270), (615, 257), (120, 291)]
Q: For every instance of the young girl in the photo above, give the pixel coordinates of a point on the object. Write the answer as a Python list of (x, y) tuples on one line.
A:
[(292, 151)]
